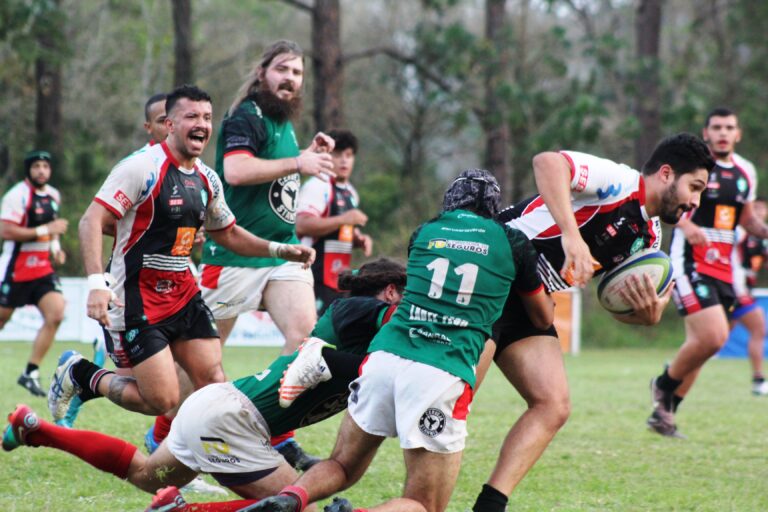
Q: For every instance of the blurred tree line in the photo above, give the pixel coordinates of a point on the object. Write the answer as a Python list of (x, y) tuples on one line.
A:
[(430, 87)]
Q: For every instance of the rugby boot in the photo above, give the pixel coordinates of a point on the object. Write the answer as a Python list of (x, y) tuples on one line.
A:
[(31, 382), (21, 422), (305, 372), (167, 499), (295, 455), (63, 389), (339, 505)]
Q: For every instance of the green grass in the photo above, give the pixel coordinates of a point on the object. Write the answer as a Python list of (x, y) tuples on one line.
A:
[(603, 459)]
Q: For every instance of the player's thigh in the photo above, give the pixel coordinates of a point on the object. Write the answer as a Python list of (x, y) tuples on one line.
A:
[(201, 359), (754, 320), (431, 477), (268, 485), (708, 326), (5, 315), (52, 306), (156, 379), (291, 304), (534, 366)]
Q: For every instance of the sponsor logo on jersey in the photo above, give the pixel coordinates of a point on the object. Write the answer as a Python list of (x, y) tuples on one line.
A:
[(437, 337), (283, 194), (148, 185), (123, 200), (725, 217), (611, 191), (637, 245), (432, 422), (741, 184), (176, 201), (422, 315), (581, 183), (188, 183), (185, 237), (458, 245)]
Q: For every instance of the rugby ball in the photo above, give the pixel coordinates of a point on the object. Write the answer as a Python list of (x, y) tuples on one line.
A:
[(653, 262)]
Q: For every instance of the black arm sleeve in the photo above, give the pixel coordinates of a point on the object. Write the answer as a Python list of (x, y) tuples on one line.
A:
[(527, 279), (245, 130)]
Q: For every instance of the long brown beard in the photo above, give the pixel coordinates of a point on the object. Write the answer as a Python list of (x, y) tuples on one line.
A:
[(277, 109)]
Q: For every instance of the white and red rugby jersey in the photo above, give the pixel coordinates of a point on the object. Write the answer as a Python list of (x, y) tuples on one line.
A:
[(609, 205), (159, 206), (729, 188), (27, 207)]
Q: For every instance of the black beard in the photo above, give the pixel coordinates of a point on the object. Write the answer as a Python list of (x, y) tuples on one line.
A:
[(37, 183), (721, 155), (669, 206), (277, 109)]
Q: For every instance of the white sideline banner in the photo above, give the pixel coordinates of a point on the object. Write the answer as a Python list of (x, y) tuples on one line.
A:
[(253, 329)]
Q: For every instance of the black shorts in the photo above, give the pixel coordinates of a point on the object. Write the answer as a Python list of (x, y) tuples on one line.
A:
[(132, 346), (19, 294), (694, 292), (514, 325)]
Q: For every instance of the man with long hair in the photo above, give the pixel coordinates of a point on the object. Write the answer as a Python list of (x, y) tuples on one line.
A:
[(259, 163)]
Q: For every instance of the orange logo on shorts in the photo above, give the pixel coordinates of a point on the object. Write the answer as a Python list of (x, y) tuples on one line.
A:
[(185, 237), (725, 217)]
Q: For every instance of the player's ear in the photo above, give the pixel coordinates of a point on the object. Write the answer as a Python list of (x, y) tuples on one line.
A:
[(666, 174)]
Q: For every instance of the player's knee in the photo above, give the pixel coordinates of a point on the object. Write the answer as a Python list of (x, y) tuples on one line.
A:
[(210, 375), (160, 404), (54, 319)]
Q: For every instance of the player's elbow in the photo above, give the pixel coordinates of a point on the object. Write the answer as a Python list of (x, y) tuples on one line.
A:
[(543, 319), (233, 177)]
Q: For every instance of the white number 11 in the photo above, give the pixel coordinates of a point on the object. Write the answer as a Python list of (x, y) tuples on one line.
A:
[(467, 271)]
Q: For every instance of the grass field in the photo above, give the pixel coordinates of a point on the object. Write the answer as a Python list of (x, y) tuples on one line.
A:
[(603, 459)]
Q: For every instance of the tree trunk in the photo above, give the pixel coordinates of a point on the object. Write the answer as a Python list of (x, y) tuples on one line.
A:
[(182, 32), (495, 126), (48, 125), (327, 64), (647, 104)]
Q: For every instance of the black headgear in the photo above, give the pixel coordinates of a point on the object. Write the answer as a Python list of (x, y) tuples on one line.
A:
[(476, 190), (34, 156)]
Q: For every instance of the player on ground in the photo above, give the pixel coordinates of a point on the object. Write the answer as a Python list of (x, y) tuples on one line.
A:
[(259, 162), (235, 419), (417, 381), (701, 251), (591, 213), (749, 257), (328, 217), (31, 230), (159, 198)]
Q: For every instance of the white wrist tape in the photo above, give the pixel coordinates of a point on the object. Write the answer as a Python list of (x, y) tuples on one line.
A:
[(97, 282), (275, 249), (42, 231), (55, 246)]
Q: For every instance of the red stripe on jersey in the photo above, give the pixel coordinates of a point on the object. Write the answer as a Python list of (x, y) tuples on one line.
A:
[(532, 292), (108, 207), (640, 194), (536, 203), (570, 164), (234, 221), (360, 368), (145, 212), (582, 217), (169, 155), (210, 276), (653, 233), (238, 152), (461, 409), (388, 314)]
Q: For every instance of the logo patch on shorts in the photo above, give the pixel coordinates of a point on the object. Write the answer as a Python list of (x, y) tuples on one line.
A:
[(432, 422), (283, 196)]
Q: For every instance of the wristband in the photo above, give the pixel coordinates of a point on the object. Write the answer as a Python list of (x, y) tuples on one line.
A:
[(275, 248), (55, 246), (41, 231), (97, 282)]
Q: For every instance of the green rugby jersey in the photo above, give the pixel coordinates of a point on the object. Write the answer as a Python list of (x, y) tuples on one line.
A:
[(460, 270), (267, 210), (349, 323)]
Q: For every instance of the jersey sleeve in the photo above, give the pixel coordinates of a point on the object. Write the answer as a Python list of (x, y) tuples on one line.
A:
[(128, 183), (218, 215), (751, 172), (527, 280), (245, 130), (599, 177), (14, 205), (314, 198)]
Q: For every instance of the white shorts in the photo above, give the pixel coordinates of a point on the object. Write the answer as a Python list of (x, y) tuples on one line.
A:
[(218, 430), (229, 291), (425, 407)]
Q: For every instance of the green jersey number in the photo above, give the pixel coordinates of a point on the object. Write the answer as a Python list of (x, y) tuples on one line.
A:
[(467, 271)]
